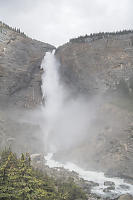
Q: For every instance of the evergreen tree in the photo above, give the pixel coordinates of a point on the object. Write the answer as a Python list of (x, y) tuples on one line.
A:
[(19, 181)]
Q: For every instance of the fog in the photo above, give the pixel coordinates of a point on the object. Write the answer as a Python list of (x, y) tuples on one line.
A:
[(73, 124), (65, 119)]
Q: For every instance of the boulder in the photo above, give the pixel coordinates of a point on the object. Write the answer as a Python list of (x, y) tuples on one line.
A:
[(108, 189), (126, 197), (36, 157), (124, 187), (109, 183)]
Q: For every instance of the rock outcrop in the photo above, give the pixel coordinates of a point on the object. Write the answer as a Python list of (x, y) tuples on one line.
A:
[(20, 88), (99, 63), (125, 197), (102, 69), (20, 74)]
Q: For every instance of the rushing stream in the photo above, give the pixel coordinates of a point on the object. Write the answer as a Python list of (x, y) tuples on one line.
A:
[(52, 92), (97, 177)]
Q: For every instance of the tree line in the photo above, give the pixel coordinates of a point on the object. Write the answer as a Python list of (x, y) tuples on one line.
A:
[(17, 30), (100, 35)]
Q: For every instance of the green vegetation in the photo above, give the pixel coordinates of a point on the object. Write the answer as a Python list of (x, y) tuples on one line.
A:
[(17, 30), (19, 181), (100, 35)]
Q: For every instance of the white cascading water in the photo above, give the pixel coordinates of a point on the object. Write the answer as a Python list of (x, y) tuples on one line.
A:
[(64, 118), (54, 97), (52, 92)]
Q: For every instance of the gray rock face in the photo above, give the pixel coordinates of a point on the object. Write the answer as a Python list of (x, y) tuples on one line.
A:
[(20, 89), (99, 64), (20, 74), (103, 69)]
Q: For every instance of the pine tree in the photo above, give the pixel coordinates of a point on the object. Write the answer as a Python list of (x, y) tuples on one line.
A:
[(6, 187), (19, 181)]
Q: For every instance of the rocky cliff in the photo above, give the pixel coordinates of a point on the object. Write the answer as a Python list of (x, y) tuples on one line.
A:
[(98, 63), (102, 67), (94, 66), (20, 74), (20, 87)]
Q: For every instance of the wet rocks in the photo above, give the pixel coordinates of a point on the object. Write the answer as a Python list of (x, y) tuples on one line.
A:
[(93, 184), (126, 197), (110, 186), (124, 187), (86, 185), (109, 183), (108, 189), (93, 197)]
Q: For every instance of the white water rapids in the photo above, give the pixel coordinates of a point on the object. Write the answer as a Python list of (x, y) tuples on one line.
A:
[(97, 177), (53, 94)]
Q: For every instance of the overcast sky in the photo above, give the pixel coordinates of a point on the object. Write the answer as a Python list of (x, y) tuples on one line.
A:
[(56, 21)]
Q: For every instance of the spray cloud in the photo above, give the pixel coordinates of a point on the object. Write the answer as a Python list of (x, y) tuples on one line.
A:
[(66, 120)]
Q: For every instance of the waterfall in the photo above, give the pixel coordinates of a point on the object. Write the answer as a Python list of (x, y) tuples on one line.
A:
[(66, 119), (52, 95), (51, 89), (59, 126)]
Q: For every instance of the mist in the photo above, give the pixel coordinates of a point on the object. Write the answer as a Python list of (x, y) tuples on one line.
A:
[(66, 120), (70, 124)]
